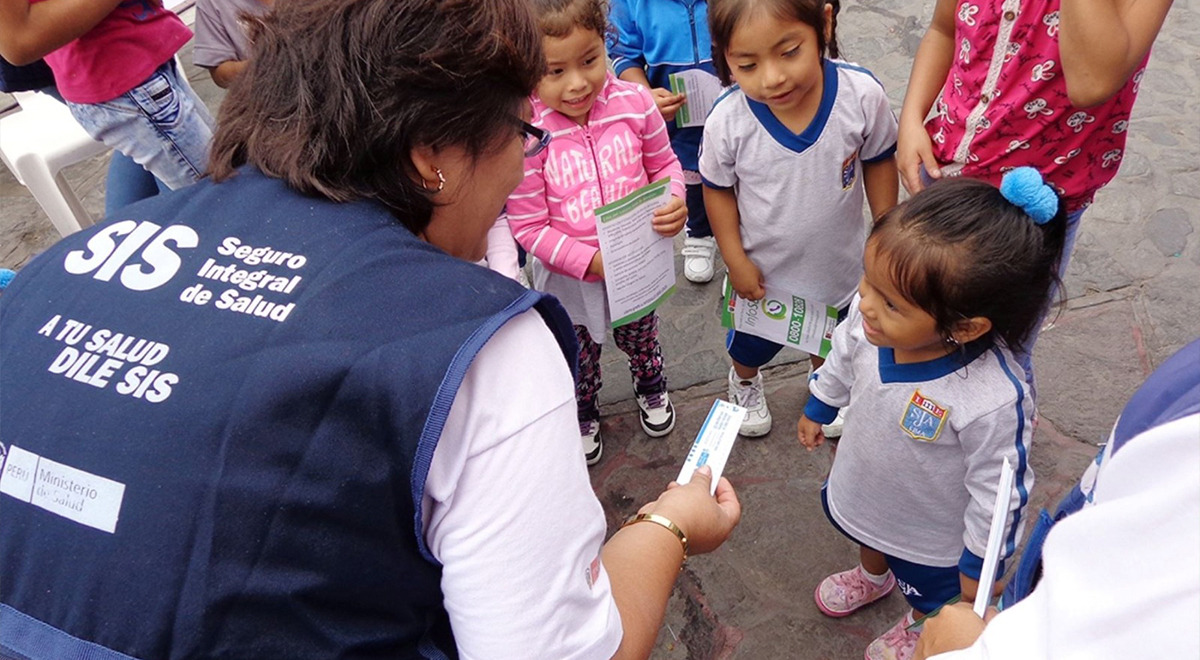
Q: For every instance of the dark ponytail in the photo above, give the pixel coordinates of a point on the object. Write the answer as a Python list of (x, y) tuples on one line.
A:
[(959, 249), (831, 45)]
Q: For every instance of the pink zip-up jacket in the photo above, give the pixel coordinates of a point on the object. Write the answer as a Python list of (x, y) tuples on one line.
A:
[(622, 147)]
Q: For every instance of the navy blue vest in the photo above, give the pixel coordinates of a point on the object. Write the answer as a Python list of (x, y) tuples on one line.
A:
[(218, 411)]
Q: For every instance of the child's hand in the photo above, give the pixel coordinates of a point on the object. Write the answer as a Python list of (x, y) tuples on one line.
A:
[(670, 217), (747, 279), (810, 433), (668, 102), (914, 148), (597, 266)]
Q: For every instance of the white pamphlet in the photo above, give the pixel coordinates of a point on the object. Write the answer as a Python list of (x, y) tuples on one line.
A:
[(783, 318), (991, 558), (639, 263), (702, 89), (714, 442)]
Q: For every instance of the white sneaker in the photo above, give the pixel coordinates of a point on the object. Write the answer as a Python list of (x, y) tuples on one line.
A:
[(654, 404), (698, 258), (593, 443), (833, 429), (749, 395)]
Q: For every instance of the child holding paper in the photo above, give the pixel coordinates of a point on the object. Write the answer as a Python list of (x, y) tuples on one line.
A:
[(608, 140), (648, 45), (956, 279), (785, 160)]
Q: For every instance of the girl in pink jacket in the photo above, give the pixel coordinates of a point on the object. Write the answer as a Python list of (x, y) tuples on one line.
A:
[(608, 140)]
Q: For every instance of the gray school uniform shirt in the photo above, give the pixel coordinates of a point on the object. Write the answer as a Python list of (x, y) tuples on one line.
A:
[(221, 32), (800, 196), (921, 452)]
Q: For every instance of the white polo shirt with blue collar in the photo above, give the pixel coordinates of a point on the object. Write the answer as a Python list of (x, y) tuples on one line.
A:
[(921, 452), (800, 196)]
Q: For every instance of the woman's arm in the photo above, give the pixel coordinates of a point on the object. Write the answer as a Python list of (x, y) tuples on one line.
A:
[(643, 559), (515, 522), (1101, 42), (929, 70), (29, 32)]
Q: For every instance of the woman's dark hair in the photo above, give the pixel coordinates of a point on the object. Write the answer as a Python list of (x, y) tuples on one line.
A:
[(339, 92), (959, 249), (557, 18), (724, 16)]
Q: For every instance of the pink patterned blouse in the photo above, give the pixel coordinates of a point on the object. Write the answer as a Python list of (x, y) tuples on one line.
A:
[(1004, 104)]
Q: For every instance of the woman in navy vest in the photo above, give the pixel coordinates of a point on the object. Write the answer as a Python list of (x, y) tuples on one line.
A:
[(280, 414)]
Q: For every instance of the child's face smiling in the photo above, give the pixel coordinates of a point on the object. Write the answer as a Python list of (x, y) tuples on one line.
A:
[(575, 73), (777, 61), (892, 321)]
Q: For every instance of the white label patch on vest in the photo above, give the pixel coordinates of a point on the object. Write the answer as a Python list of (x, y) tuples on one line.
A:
[(83, 497)]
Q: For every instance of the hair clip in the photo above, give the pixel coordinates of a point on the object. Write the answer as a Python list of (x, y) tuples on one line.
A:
[(1025, 188)]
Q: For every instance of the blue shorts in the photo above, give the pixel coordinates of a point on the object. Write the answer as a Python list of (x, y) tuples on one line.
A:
[(926, 588), (754, 351)]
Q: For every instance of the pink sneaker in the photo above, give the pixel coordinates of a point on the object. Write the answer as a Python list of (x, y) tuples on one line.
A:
[(842, 593), (895, 644)]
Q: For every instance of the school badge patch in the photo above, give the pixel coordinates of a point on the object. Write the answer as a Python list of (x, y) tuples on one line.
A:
[(923, 418), (849, 170)]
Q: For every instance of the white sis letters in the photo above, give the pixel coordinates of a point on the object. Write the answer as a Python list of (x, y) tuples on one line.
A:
[(142, 252), (99, 356)]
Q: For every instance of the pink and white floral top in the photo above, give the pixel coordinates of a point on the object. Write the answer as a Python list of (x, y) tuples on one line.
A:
[(1004, 104)]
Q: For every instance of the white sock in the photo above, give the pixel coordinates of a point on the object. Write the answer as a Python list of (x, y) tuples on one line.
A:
[(909, 619), (876, 580)]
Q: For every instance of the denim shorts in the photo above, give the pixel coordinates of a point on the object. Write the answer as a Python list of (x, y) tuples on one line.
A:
[(161, 124)]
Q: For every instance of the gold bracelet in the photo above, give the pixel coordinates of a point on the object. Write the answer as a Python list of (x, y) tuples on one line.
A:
[(665, 522)]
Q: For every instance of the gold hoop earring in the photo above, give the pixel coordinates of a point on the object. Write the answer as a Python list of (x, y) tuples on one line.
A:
[(441, 182)]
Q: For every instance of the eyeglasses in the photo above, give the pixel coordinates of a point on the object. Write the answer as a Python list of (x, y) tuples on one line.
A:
[(536, 139)]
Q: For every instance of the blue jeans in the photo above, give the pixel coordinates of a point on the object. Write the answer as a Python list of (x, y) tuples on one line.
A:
[(127, 181), (161, 124), (1025, 358)]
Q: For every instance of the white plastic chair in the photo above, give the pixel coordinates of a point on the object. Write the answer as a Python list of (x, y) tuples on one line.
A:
[(36, 144)]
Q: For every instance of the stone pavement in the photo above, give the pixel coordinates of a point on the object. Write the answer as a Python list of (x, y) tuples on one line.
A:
[(1133, 295)]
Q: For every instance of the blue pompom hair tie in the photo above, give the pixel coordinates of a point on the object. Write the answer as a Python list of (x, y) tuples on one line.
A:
[(6, 276), (1025, 188)]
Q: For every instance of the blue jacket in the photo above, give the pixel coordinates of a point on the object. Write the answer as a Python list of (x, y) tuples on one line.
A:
[(219, 410), (663, 37)]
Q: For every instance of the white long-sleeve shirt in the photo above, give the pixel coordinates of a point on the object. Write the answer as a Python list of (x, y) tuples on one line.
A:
[(920, 456)]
